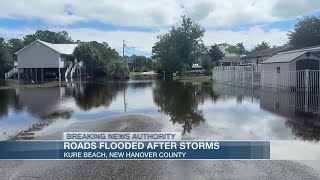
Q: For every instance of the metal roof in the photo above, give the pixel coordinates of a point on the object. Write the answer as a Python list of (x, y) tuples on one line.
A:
[(230, 59), (283, 57), (268, 52), (60, 48)]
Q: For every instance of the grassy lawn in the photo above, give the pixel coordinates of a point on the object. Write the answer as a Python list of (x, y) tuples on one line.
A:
[(195, 78), (135, 73)]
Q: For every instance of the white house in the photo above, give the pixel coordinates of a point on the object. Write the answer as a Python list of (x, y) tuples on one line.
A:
[(291, 69), (40, 60)]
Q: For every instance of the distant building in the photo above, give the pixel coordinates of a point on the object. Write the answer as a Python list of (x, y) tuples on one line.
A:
[(259, 56), (229, 59), (130, 61)]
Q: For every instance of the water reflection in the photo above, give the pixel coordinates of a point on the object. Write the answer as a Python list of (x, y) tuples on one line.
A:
[(94, 95), (180, 101), (195, 109), (301, 110), (8, 99)]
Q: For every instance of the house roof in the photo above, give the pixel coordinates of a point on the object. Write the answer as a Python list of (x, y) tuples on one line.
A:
[(235, 59), (310, 49), (60, 48), (268, 52), (283, 57)]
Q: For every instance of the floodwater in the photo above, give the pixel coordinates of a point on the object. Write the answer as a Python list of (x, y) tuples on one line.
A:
[(198, 110)]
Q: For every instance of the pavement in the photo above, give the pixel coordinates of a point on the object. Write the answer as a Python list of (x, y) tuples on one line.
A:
[(80, 170)]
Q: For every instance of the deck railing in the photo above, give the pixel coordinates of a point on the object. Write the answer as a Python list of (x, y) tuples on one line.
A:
[(304, 80)]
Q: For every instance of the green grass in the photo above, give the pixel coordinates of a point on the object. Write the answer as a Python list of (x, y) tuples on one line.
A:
[(195, 78), (135, 73), (39, 85)]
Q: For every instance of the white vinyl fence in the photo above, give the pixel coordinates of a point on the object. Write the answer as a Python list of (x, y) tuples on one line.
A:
[(306, 80)]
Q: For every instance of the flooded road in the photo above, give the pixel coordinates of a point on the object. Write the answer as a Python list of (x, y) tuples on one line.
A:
[(197, 110)]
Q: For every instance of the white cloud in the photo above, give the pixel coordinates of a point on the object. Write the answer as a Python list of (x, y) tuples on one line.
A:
[(144, 41), (250, 37), (158, 13)]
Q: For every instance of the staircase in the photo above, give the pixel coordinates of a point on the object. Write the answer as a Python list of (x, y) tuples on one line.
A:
[(68, 71), (73, 70), (11, 73)]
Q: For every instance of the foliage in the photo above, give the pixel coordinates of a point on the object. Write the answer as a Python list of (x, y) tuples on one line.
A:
[(262, 46), (206, 63), (240, 49), (6, 57), (60, 37), (96, 57), (215, 54), (88, 54), (178, 49), (306, 33), (117, 69), (141, 63)]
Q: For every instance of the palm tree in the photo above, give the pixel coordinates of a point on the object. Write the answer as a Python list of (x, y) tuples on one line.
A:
[(117, 69)]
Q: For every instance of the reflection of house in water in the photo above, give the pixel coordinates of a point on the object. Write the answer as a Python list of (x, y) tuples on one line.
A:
[(290, 104), (46, 102), (301, 110)]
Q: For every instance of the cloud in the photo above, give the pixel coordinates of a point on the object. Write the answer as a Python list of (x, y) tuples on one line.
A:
[(294, 8), (143, 41), (160, 13), (249, 37)]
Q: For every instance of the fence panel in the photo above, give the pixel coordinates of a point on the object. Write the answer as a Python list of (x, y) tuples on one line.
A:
[(305, 80)]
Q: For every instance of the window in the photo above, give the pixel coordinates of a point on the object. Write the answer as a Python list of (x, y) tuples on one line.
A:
[(278, 69)]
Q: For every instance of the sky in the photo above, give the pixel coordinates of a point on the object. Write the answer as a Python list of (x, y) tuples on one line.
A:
[(139, 22)]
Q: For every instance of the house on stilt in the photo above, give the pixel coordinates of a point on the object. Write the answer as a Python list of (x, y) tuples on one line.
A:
[(42, 60)]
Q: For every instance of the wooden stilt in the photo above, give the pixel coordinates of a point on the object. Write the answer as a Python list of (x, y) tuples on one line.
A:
[(59, 75), (36, 71), (42, 75)]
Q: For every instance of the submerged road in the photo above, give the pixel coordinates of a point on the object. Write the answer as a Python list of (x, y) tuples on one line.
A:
[(79, 170)]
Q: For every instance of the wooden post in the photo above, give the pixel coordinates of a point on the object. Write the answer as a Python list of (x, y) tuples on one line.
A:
[(80, 74), (307, 81), (31, 72), (18, 75), (36, 75), (59, 75), (275, 80), (252, 80), (262, 79), (42, 75)]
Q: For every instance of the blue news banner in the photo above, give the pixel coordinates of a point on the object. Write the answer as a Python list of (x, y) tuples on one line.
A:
[(134, 150)]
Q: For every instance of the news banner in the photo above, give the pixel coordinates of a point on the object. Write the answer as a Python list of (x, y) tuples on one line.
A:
[(131, 146)]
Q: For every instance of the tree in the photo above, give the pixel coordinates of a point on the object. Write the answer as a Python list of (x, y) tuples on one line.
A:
[(60, 37), (85, 52), (206, 63), (263, 45), (240, 49), (101, 60), (16, 44), (306, 33), (215, 54), (117, 69), (6, 60), (182, 46)]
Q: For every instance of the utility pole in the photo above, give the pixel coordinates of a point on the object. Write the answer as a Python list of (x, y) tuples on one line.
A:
[(124, 91), (123, 45)]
